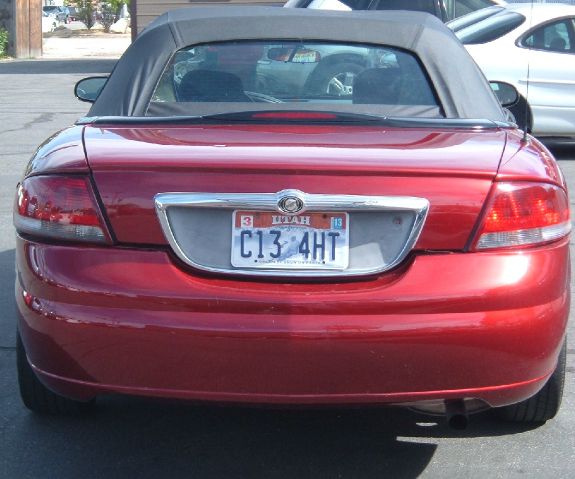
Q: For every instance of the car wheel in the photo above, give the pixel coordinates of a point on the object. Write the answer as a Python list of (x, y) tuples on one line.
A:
[(335, 80), (545, 404), (39, 398)]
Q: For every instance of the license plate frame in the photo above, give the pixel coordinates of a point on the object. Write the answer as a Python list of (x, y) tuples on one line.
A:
[(270, 240)]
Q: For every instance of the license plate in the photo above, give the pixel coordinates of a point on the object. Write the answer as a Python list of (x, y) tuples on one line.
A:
[(275, 241)]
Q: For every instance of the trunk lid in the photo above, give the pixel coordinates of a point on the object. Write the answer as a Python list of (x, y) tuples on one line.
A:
[(452, 168)]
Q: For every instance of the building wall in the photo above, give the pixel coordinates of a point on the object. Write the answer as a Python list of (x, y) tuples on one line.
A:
[(148, 10)]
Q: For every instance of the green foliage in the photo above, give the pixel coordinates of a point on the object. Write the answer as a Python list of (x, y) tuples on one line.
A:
[(86, 13), (3, 42), (117, 4), (107, 17)]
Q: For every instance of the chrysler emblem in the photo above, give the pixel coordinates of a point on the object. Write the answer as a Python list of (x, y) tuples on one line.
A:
[(290, 205)]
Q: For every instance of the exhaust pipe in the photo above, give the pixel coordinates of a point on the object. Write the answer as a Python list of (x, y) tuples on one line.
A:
[(456, 413)]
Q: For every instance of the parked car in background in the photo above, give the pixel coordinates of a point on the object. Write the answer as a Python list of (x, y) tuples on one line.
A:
[(444, 9), (49, 23), (532, 47), (336, 73), (200, 236), (324, 70), (73, 14), (60, 13)]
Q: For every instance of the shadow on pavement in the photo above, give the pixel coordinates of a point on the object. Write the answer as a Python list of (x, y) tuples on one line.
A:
[(147, 438), (128, 436), (561, 149), (563, 152), (45, 67), (7, 303)]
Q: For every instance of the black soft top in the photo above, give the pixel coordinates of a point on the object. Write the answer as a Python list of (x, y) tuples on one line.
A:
[(460, 86)]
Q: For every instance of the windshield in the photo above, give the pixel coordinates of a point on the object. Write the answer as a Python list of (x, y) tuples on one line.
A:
[(292, 75)]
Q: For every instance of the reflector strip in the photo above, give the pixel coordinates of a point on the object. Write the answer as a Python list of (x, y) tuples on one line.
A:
[(58, 231), (523, 237)]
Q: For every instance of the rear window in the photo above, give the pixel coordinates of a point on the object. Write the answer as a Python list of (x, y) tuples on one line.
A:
[(473, 18), (428, 6), (458, 8), (272, 75), (490, 28)]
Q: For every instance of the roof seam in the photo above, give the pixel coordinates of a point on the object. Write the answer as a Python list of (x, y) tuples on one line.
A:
[(172, 29)]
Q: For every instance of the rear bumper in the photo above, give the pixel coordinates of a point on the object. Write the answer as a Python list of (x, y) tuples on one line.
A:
[(469, 325)]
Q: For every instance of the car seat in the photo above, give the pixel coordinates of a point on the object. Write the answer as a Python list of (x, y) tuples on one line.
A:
[(211, 86), (558, 44), (377, 86)]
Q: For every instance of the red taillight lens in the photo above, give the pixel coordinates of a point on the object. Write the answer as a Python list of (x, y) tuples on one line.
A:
[(522, 214), (59, 207)]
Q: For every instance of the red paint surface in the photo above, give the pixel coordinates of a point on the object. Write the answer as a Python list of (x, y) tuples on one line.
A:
[(444, 324), (63, 152), (452, 169)]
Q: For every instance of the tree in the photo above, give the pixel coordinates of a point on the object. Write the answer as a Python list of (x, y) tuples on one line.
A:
[(86, 13), (108, 17), (117, 4)]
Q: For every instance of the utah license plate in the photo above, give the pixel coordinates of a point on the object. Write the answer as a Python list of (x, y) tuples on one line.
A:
[(305, 241)]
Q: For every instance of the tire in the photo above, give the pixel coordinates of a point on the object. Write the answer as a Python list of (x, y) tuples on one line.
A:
[(546, 403), (334, 80), (522, 112), (37, 397)]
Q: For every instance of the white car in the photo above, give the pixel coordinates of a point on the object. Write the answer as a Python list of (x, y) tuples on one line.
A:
[(49, 23), (443, 9), (532, 47)]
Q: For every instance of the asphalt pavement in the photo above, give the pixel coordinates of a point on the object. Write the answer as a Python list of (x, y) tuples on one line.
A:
[(131, 437)]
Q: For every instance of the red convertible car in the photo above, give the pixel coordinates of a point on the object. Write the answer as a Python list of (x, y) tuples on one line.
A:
[(200, 236)]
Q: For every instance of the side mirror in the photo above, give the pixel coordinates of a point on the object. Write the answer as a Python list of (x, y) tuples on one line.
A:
[(506, 94), (89, 88)]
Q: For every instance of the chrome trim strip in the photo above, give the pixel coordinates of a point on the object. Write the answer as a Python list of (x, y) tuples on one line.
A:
[(312, 202)]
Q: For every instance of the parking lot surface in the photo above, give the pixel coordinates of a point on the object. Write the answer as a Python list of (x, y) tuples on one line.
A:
[(72, 41), (131, 437)]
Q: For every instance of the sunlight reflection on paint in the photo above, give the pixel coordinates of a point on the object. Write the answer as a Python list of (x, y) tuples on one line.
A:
[(515, 269)]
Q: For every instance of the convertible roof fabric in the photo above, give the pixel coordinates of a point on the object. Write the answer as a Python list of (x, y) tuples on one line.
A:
[(461, 87)]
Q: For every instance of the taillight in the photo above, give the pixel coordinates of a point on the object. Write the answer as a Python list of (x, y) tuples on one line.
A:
[(294, 115), (59, 207), (523, 214)]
